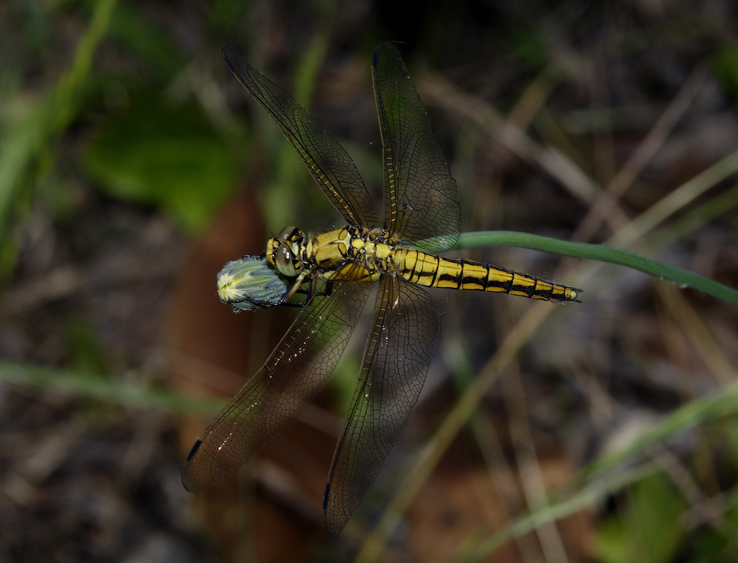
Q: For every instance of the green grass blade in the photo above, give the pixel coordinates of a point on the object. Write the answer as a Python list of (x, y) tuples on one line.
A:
[(585, 490), (29, 141), (552, 512), (106, 389)]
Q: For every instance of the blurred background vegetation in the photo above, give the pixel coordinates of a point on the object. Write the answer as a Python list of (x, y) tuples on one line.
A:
[(132, 166)]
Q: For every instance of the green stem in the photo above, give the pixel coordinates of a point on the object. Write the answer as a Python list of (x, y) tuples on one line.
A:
[(106, 389), (682, 278)]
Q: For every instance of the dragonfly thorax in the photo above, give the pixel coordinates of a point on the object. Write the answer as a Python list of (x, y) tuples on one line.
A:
[(331, 254)]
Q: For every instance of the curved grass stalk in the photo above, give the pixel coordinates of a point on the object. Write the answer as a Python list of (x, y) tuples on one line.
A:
[(682, 278)]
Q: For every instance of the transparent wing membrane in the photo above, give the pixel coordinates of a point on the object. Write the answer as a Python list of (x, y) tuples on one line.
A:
[(403, 336), (421, 203), (328, 162), (294, 373), (420, 195)]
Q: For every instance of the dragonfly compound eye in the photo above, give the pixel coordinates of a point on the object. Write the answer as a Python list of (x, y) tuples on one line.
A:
[(286, 233), (284, 260)]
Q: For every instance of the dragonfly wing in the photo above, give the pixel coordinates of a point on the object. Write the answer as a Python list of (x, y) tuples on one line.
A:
[(328, 162), (403, 337), (421, 197), (291, 377)]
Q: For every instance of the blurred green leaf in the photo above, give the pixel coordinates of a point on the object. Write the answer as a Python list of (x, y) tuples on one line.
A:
[(712, 547), (162, 155), (610, 542), (226, 16), (529, 47), (150, 43), (87, 352), (649, 530), (654, 525), (731, 437), (725, 66)]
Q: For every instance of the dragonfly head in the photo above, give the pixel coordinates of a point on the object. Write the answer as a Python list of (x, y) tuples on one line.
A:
[(283, 251)]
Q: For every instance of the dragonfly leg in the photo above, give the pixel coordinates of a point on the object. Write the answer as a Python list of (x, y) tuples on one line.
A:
[(309, 292)]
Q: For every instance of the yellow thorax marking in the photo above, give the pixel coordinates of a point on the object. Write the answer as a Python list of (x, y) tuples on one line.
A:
[(326, 254)]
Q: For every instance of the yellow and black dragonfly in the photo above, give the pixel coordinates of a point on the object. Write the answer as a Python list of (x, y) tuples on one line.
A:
[(330, 274)]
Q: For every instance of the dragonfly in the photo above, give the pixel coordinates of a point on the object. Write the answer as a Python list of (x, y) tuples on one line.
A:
[(331, 277)]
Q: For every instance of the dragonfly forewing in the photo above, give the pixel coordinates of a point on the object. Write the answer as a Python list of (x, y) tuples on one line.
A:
[(402, 340), (325, 158), (333, 271), (420, 196), (287, 382)]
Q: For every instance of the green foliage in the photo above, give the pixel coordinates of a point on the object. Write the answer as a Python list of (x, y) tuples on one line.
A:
[(148, 43), (158, 154), (529, 47), (650, 528), (86, 351), (25, 156), (656, 522), (618, 471), (724, 64)]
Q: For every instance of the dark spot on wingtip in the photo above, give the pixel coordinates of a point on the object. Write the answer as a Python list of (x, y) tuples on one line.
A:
[(225, 53), (325, 495), (193, 451), (375, 58)]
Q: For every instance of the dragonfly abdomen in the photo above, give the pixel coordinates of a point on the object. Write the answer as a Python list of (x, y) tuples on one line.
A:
[(431, 270)]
